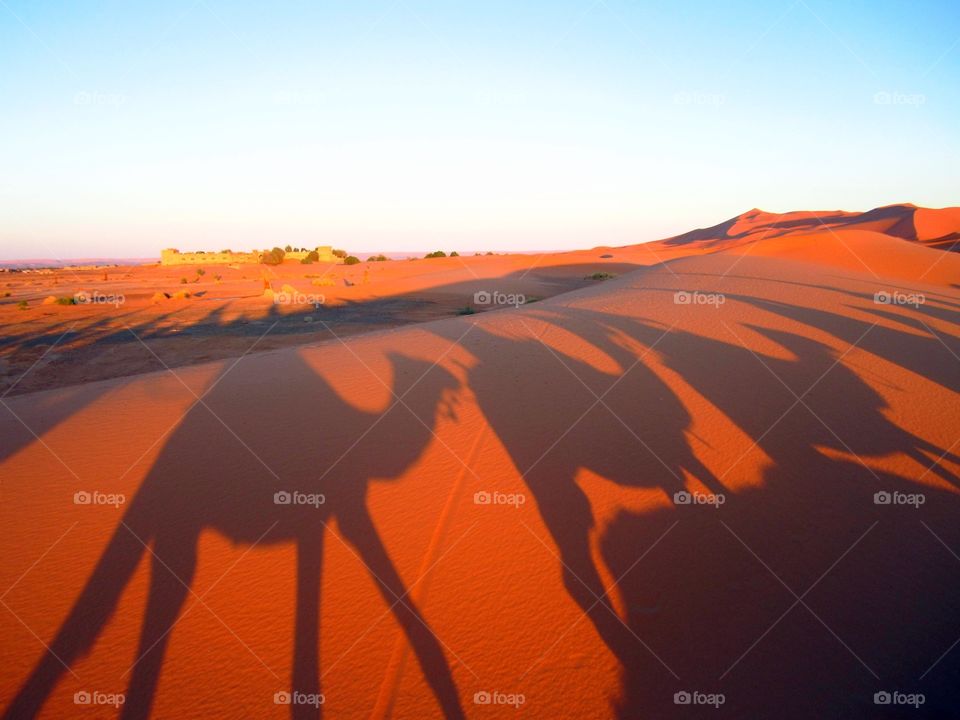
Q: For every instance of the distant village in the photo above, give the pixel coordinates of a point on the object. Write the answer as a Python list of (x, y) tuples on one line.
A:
[(322, 253)]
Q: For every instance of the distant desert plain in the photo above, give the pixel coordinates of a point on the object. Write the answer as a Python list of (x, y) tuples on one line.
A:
[(718, 470)]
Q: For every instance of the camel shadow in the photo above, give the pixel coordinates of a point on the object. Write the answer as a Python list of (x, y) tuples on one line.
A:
[(551, 417), (876, 618), (824, 463), (282, 481)]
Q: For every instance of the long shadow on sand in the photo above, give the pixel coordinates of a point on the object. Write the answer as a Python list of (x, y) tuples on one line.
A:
[(208, 478), (726, 599), (882, 592), (715, 585)]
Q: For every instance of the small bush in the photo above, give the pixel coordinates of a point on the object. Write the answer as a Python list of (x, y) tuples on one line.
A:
[(436, 254), (66, 300), (273, 257), (23, 305), (351, 260), (377, 258), (454, 254), (201, 272), (466, 310), (183, 281), (339, 253), (312, 257), (600, 276)]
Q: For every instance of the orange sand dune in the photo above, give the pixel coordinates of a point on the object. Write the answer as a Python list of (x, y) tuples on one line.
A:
[(655, 488), (936, 227)]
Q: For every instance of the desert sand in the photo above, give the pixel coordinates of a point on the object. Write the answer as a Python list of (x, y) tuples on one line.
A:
[(500, 518)]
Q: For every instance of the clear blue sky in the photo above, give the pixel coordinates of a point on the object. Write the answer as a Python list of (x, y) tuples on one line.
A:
[(126, 127)]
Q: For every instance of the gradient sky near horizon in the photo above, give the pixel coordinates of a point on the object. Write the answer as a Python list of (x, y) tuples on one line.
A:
[(408, 125)]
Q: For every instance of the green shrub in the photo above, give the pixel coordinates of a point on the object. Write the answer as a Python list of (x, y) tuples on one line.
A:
[(436, 254), (454, 254), (466, 310), (66, 300), (312, 257), (600, 276), (377, 258), (351, 260), (183, 281), (23, 305), (339, 253)]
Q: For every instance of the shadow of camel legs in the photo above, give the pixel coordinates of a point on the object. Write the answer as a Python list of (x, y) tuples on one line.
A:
[(172, 568), (306, 635), (357, 527), (83, 625)]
